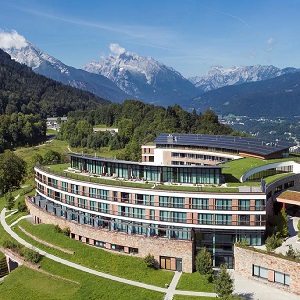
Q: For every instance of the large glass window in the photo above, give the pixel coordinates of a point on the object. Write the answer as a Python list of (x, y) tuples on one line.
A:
[(179, 217), (244, 220), (64, 186), (223, 219), (223, 204), (260, 272), (138, 213), (205, 218), (282, 278), (102, 194), (199, 203), (244, 204), (164, 215)]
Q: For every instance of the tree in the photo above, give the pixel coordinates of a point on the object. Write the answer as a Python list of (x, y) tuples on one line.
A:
[(283, 223), (273, 241), (150, 261), (10, 200), (12, 171), (224, 284), (291, 253), (52, 156), (204, 262)]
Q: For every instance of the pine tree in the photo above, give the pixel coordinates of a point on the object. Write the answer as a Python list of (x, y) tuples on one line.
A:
[(224, 284), (204, 262)]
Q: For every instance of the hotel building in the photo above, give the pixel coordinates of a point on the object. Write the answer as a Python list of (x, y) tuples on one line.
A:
[(171, 204)]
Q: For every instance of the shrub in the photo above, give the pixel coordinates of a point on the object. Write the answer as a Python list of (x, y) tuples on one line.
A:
[(150, 261), (273, 241), (22, 206), (224, 284), (291, 253), (32, 256), (204, 262), (10, 200), (66, 231), (283, 223), (57, 229)]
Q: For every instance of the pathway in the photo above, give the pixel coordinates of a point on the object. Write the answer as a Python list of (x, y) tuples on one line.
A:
[(293, 238), (97, 273)]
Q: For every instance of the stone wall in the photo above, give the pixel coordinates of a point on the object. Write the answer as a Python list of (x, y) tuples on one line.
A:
[(246, 258), (153, 245)]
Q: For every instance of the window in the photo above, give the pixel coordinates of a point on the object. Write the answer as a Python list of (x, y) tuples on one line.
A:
[(164, 215), (199, 203), (244, 220), (223, 204), (260, 204), (223, 219), (260, 272), (102, 194), (100, 244), (103, 207), (133, 250), (244, 204), (205, 218), (179, 217), (74, 189), (92, 205), (282, 278), (117, 247), (93, 192), (138, 213)]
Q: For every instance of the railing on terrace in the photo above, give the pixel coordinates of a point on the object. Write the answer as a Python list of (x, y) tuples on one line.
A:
[(169, 205), (141, 217), (128, 227), (94, 178)]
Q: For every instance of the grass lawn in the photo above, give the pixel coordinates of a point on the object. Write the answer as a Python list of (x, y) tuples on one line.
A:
[(195, 282), (116, 264), (14, 217), (43, 286)]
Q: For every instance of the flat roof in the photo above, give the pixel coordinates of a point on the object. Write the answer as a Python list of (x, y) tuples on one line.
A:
[(238, 143), (101, 158), (290, 197)]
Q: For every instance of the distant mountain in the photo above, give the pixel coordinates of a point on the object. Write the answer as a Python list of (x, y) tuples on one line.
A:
[(26, 53), (218, 77), (276, 97), (144, 78), (22, 90)]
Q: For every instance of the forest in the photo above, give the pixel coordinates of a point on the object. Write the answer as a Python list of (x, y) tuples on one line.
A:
[(22, 90), (137, 123)]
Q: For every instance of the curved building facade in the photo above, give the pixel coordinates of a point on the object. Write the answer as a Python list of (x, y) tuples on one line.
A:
[(141, 208)]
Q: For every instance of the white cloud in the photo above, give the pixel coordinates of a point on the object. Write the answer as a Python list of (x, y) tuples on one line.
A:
[(13, 39), (116, 49)]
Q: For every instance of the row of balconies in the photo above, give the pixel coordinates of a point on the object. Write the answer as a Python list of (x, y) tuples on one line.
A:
[(187, 217)]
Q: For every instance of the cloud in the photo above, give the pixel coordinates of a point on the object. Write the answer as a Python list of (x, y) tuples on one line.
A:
[(10, 40), (271, 44), (116, 49)]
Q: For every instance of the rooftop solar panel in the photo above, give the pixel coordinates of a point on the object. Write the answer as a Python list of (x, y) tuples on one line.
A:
[(242, 144)]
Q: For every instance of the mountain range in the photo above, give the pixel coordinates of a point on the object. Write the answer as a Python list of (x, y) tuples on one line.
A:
[(275, 97), (218, 77), (26, 53), (124, 75), (145, 78)]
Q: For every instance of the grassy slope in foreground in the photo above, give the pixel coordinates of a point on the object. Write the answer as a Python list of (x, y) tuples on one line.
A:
[(121, 265)]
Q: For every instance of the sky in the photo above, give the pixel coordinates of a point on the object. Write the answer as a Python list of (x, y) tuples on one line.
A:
[(188, 35)]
